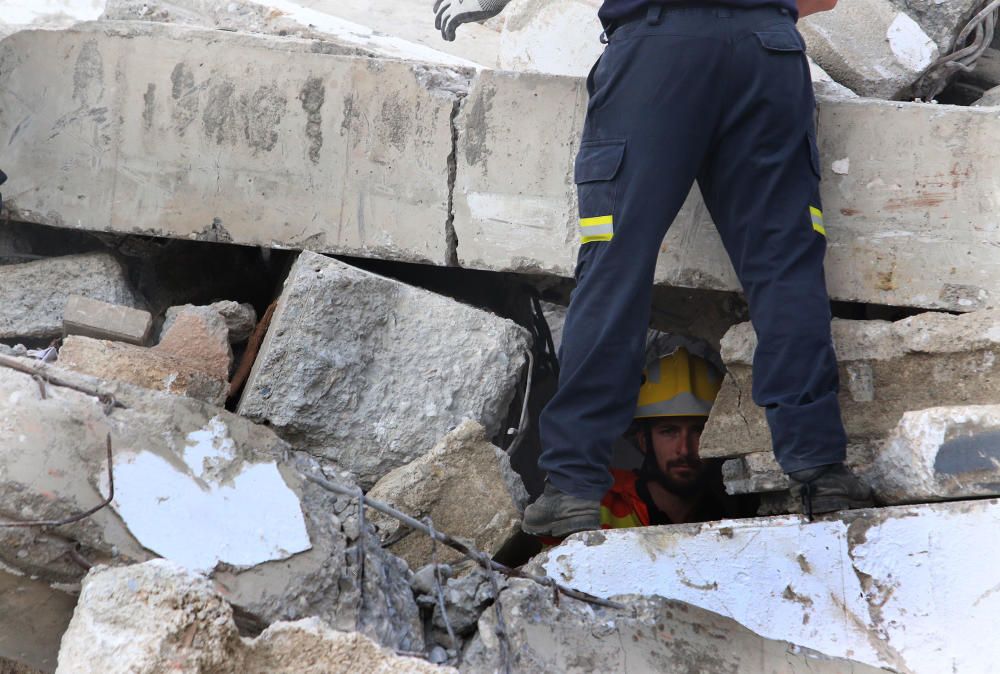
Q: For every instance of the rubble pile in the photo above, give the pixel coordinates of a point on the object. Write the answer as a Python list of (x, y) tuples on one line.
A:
[(242, 253)]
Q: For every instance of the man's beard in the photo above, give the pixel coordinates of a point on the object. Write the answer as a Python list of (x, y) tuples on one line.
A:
[(652, 472)]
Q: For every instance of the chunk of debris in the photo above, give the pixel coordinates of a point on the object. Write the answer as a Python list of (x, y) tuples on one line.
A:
[(199, 336), (194, 484), (465, 485), (103, 320), (863, 584), (655, 635), (240, 318), (370, 373), (146, 367), (886, 370), (941, 453), (158, 616), (879, 48), (35, 293)]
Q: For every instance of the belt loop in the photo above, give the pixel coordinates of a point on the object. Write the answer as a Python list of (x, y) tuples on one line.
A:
[(654, 14)]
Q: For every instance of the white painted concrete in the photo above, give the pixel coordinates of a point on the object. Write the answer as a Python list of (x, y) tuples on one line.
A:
[(897, 587), (911, 45), (220, 509)]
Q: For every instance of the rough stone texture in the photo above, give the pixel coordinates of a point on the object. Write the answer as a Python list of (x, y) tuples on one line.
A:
[(941, 453), (240, 318), (35, 293), (33, 618), (149, 368), (465, 485), (876, 586), (371, 373), (173, 131), (11, 667), (654, 635), (197, 485), (905, 220), (990, 99), (158, 616), (559, 37), (102, 320), (886, 369), (871, 46), (199, 337), (826, 86)]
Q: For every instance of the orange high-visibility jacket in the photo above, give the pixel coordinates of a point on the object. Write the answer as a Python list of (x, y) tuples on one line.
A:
[(621, 507)]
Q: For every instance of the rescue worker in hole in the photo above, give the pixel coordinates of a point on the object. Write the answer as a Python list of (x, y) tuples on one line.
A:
[(672, 484), (716, 92)]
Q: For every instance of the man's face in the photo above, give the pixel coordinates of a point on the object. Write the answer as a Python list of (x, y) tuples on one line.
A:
[(675, 447)]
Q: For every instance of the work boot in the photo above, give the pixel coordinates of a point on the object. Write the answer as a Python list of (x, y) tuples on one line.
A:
[(828, 488), (558, 514)]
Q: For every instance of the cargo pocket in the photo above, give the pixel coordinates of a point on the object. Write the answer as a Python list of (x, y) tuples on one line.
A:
[(781, 39), (597, 166)]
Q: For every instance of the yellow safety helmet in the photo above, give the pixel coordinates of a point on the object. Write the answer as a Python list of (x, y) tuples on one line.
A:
[(678, 385)]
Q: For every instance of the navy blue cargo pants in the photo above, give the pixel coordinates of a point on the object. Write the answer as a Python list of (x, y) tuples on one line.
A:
[(722, 96)]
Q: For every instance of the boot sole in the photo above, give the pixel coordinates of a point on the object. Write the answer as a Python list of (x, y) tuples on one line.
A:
[(830, 504), (564, 527)]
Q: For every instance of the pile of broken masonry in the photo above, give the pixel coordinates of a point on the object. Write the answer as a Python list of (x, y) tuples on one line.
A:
[(177, 340)]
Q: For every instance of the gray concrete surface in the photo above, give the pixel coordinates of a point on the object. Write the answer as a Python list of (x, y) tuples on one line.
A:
[(370, 373)]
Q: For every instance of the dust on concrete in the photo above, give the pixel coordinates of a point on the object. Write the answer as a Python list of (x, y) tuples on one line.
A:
[(313, 95), (185, 95), (88, 74), (231, 117), (148, 105), (477, 129), (395, 123)]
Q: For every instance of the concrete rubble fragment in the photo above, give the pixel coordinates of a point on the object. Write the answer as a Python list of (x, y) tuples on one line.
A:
[(990, 99), (141, 366), (654, 634), (158, 616), (35, 293), (370, 373), (199, 336), (886, 369), (465, 485), (103, 320), (941, 453), (197, 485), (240, 318), (865, 585), (879, 48)]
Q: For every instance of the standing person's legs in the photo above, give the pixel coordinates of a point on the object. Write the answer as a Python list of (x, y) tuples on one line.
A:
[(654, 98), (761, 183)]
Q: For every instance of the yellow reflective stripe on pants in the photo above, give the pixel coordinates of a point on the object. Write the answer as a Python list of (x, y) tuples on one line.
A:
[(600, 228), (817, 220)]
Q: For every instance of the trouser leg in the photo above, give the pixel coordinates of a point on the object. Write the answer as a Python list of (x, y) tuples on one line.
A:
[(760, 181), (648, 122)]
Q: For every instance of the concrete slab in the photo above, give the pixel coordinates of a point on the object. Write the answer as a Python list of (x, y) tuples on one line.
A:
[(103, 320), (886, 369), (910, 222), (894, 587), (172, 131)]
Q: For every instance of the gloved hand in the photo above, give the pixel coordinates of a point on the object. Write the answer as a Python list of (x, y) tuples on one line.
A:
[(453, 13)]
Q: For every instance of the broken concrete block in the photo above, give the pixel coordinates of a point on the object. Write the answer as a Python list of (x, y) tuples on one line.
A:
[(35, 293), (199, 337), (897, 213), (240, 318), (652, 635), (102, 320), (886, 369), (465, 485), (558, 37), (826, 86), (990, 99), (873, 47), (159, 616), (864, 585), (149, 368), (759, 473), (370, 373), (941, 453), (223, 136), (194, 484)]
